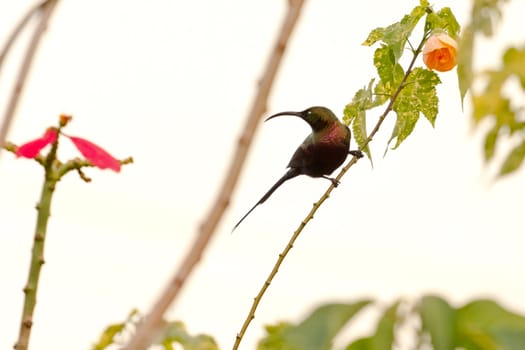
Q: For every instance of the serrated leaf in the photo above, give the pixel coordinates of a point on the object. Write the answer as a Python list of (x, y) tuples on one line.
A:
[(355, 114), (439, 320), (421, 89), (360, 133), (405, 124), (514, 159), (396, 35), (443, 20), (374, 36), (489, 326), (390, 72), (317, 331), (451, 24), (361, 101), (381, 95), (417, 96)]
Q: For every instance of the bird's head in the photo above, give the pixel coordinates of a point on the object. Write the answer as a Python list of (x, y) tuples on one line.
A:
[(317, 117)]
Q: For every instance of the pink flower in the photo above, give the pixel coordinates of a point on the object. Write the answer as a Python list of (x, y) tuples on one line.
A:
[(440, 52), (32, 148), (95, 154)]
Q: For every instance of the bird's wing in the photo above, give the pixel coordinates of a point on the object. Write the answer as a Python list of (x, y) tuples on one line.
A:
[(301, 158)]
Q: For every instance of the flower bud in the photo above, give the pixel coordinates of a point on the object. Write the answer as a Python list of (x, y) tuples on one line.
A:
[(439, 52)]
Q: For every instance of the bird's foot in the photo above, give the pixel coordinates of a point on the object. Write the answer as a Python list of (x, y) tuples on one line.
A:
[(334, 181), (357, 153)]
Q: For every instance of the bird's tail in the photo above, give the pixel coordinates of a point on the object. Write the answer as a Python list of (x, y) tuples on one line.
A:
[(291, 173)]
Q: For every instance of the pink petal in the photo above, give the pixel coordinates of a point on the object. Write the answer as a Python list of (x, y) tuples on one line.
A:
[(32, 148), (95, 154)]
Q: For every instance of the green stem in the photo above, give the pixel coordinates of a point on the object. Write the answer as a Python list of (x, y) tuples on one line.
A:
[(43, 208), (37, 260)]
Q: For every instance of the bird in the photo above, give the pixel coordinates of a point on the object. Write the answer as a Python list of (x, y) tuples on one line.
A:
[(323, 151)]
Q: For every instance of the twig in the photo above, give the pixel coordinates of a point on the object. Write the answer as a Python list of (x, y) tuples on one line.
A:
[(44, 9), (17, 30), (317, 205), (153, 320)]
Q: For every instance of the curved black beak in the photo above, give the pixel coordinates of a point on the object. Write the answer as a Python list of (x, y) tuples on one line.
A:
[(297, 114)]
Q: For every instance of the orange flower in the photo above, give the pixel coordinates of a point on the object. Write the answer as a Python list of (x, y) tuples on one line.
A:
[(440, 52)]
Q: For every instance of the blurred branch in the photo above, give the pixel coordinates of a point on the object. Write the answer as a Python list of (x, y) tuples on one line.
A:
[(317, 205), (43, 11), (153, 321)]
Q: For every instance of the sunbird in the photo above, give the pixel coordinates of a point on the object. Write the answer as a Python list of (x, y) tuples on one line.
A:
[(323, 151)]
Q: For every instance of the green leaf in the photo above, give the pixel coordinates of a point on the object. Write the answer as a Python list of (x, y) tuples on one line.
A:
[(485, 14), (383, 338), (360, 133), (514, 159), (439, 320), (374, 36), (396, 35), (107, 337), (405, 124), (489, 326), (464, 71), (493, 102), (490, 142), (421, 89), (451, 24), (316, 332), (514, 62), (175, 332), (381, 95), (361, 344), (361, 102), (417, 96), (390, 72), (274, 339), (443, 20), (355, 113)]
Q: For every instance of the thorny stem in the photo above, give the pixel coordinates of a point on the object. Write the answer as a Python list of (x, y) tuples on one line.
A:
[(37, 256), (44, 9), (153, 320), (324, 197), (37, 260)]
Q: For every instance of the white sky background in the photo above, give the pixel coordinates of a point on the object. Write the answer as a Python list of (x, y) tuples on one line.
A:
[(170, 83)]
